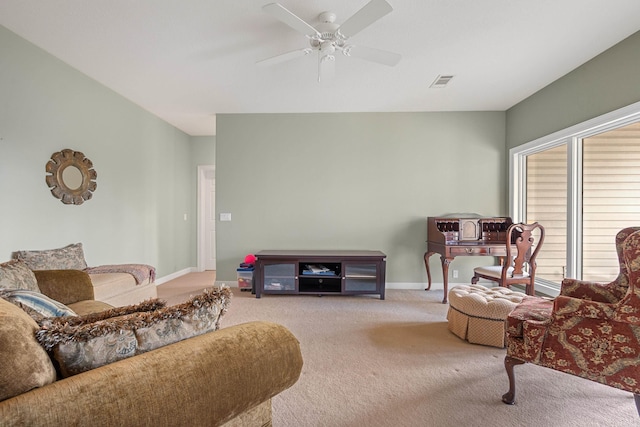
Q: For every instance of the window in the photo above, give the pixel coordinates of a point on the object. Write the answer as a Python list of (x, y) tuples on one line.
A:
[(546, 203), (583, 185), (610, 197)]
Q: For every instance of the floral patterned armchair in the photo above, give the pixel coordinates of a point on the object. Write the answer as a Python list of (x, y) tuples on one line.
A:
[(590, 330), (610, 293)]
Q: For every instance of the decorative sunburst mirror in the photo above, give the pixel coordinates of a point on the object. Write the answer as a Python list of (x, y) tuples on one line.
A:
[(71, 177)]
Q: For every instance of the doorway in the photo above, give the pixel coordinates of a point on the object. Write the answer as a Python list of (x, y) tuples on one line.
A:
[(206, 218)]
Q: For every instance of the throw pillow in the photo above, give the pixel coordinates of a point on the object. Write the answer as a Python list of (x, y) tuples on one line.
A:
[(93, 318), (36, 301), (82, 343), (15, 274), (25, 364), (71, 257)]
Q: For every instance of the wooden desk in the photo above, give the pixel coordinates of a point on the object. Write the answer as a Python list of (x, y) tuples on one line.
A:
[(452, 237), (448, 253)]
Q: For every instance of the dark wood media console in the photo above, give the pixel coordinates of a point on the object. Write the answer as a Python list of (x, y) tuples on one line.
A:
[(320, 272)]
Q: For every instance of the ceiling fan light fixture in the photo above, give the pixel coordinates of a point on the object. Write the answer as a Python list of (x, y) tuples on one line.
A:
[(327, 37), (327, 48)]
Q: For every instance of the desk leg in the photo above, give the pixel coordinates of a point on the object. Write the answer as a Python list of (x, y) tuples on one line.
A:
[(426, 264), (445, 272), (445, 276)]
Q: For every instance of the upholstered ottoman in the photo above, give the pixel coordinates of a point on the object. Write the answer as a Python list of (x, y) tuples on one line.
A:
[(478, 314)]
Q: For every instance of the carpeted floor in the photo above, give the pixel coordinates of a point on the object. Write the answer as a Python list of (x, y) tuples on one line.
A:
[(370, 362)]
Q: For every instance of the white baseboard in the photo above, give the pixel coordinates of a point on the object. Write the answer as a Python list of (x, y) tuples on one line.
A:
[(411, 285), (392, 285), (546, 290), (396, 285), (541, 288), (414, 285), (229, 283), (164, 279)]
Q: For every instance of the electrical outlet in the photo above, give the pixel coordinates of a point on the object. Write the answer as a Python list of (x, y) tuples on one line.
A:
[(455, 274), (225, 217)]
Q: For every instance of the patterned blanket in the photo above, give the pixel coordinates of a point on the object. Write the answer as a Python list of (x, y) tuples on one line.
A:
[(140, 272)]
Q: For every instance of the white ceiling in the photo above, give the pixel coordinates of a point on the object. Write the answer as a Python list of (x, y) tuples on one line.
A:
[(186, 60)]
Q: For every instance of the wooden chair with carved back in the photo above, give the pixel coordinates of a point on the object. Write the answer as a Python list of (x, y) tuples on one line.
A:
[(523, 242)]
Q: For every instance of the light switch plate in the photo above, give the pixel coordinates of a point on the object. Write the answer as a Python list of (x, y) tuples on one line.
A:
[(225, 217)]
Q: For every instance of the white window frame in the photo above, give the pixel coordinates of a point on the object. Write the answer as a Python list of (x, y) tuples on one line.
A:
[(572, 137)]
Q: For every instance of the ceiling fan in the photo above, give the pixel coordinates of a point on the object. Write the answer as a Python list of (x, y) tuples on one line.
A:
[(328, 38)]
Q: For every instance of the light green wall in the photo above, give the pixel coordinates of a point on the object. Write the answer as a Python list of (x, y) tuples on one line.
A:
[(203, 150), (609, 81), (144, 167), (353, 181)]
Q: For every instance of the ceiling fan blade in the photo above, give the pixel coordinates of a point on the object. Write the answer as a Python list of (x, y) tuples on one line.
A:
[(371, 54), (283, 14), (366, 16), (326, 67), (284, 57)]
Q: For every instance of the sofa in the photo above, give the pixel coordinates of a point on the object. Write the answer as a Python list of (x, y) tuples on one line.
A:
[(117, 285), (223, 377)]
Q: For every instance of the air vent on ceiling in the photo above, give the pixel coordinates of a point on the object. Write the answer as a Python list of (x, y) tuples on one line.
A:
[(441, 81)]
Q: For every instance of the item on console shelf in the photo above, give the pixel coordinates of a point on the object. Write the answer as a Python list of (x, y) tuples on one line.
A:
[(318, 269), (273, 286)]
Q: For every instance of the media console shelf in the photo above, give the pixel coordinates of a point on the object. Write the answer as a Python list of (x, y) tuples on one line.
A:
[(320, 272)]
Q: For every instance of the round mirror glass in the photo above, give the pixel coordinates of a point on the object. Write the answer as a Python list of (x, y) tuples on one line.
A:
[(72, 177)]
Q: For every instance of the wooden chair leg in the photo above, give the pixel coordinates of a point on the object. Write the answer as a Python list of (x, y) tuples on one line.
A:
[(637, 399), (510, 397), (529, 289)]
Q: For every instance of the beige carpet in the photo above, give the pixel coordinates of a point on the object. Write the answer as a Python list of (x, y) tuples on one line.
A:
[(394, 363)]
